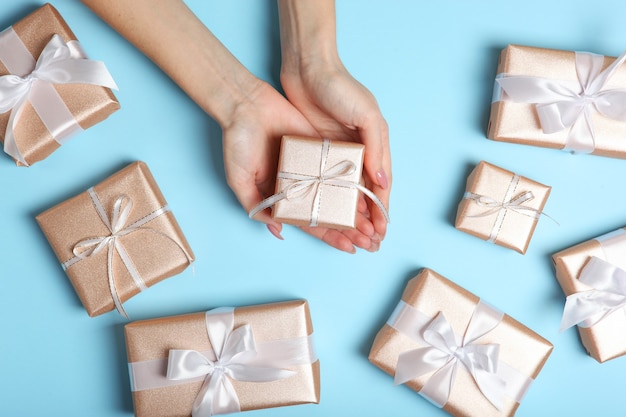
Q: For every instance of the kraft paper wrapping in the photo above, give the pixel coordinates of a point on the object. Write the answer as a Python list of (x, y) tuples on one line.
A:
[(431, 293), (152, 339), (338, 204), (89, 104), (155, 256), (517, 228), (606, 339), (519, 122)]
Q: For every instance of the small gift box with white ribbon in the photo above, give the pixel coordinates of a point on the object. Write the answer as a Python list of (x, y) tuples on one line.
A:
[(457, 351), (49, 90), (223, 361), (501, 207), (116, 239), (592, 275), (575, 101), (318, 183)]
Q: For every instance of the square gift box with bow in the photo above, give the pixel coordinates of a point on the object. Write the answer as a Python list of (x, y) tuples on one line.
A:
[(116, 239), (457, 351), (568, 100), (50, 91), (592, 275), (224, 360), (319, 183), (501, 207)]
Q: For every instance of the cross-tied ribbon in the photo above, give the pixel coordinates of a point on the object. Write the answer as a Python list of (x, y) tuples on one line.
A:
[(445, 354), (606, 295), (304, 184), (509, 202), (569, 105), (112, 243), (60, 62), (234, 350)]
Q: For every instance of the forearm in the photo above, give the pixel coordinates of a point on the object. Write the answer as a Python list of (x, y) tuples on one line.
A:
[(180, 44), (307, 32)]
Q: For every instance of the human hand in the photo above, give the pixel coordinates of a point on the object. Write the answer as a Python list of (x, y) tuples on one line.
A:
[(251, 137), (339, 107)]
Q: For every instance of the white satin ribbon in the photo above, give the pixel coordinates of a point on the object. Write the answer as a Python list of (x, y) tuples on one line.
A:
[(442, 353), (118, 228), (234, 355), (509, 202), (569, 105), (606, 295), (59, 63), (302, 185)]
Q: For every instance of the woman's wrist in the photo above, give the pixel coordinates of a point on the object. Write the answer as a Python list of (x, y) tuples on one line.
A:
[(307, 34)]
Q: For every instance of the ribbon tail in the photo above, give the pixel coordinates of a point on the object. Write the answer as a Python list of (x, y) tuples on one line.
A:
[(376, 201), (581, 138), (492, 386), (267, 203), (112, 286), (217, 396), (586, 309), (438, 387)]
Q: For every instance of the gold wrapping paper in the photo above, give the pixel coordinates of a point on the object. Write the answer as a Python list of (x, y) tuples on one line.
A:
[(517, 228), (338, 207), (431, 293), (155, 256), (519, 122), (152, 339), (606, 339), (90, 104)]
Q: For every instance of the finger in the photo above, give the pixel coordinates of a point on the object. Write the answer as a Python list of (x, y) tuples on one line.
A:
[(249, 197), (332, 237), (377, 159)]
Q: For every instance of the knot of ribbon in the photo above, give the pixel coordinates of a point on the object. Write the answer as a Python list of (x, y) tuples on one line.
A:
[(302, 185), (569, 105), (60, 62), (606, 296), (234, 352), (118, 228), (509, 202), (444, 354)]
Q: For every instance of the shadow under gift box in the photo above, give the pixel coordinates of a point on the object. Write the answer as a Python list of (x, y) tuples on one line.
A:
[(522, 353), (157, 249), (89, 104), (519, 122), (150, 341), (606, 339), (502, 223)]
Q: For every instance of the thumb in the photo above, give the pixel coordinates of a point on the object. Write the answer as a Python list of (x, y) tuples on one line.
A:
[(249, 196), (376, 161)]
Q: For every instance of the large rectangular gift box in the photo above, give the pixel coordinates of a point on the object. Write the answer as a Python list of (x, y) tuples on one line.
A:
[(223, 361), (39, 116), (501, 207), (116, 239), (592, 276), (439, 331), (560, 99)]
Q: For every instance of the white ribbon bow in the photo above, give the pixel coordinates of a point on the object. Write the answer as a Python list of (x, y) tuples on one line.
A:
[(234, 350), (118, 228), (445, 354), (608, 295), (57, 64), (305, 184), (568, 105)]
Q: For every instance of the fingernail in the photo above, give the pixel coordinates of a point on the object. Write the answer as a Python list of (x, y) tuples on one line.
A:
[(381, 178), (274, 230), (374, 247), (376, 237)]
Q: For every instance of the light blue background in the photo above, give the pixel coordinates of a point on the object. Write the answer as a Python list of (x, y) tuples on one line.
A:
[(431, 66)]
